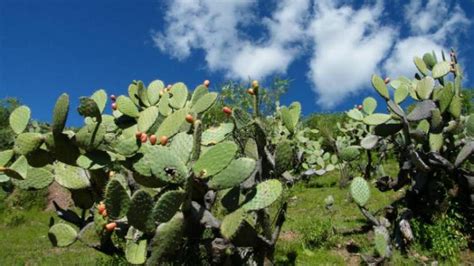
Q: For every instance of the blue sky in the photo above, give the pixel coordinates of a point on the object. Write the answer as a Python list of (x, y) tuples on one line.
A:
[(329, 49)]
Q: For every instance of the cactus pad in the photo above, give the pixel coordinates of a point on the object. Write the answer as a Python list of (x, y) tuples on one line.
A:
[(140, 212), (455, 107), (154, 89), (368, 105), (167, 239), (234, 174), (37, 178), (284, 157), (179, 91), (350, 153), (424, 88), (116, 199), (263, 195), (61, 110), (381, 240), (376, 119), (167, 205), (355, 114), (182, 145), (100, 98), (215, 135), (199, 91), (215, 159), (26, 143), (401, 93), (163, 105), (436, 141), (147, 118), (62, 235), (441, 69), (88, 108), (127, 106), (19, 119), (90, 136), (421, 65), (18, 169), (231, 223), (204, 102), (71, 177), (251, 149), (135, 252), (360, 191), (379, 85), (5, 157), (163, 164), (127, 147), (171, 125)]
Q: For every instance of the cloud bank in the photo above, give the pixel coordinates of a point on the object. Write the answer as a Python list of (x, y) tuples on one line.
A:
[(345, 45)]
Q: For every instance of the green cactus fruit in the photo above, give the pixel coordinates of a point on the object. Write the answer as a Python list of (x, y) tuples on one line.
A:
[(241, 118), (154, 89), (163, 105), (37, 178), (360, 191), (421, 65), (26, 143), (135, 252), (199, 91), (401, 93), (127, 147), (147, 118), (234, 174), (140, 212), (167, 240), (429, 60), (5, 157), (231, 223), (89, 108), (215, 159), (61, 110), (284, 157), (376, 119), (350, 153), (182, 146), (469, 128), (455, 107), (441, 69), (204, 103), (436, 142), (251, 149), (379, 85), (94, 160), (90, 136), (62, 235), (424, 88), (167, 205), (368, 105), (127, 107), (171, 125), (381, 239), (100, 98), (116, 199), (180, 95), (444, 97), (19, 119), (215, 135), (355, 114), (263, 195), (71, 177)]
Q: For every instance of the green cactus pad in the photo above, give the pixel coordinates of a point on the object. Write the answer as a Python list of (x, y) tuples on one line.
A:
[(441, 69), (37, 178), (360, 191), (429, 60), (171, 125), (455, 107), (19, 119), (241, 118), (215, 135), (5, 157), (127, 147), (215, 159), (263, 195), (90, 136), (231, 223), (424, 88), (445, 97), (71, 177), (61, 110), (287, 119), (379, 85), (436, 142), (180, 95), (147, 118), (234, 174), (94, 160), (62, 148), (116, 199), (350, 153), (19, 169), (167, 205), (100, 98), (163, 164), (368, 105), (381, 240), (127, 107), (421, 111), (89, 108), (133, 93), (62, 235), (355, 114), (204, 103), (135, 252), (464, 153), (89, 236), (142, 94), (284, 157), (199, 91), (420, 64), (369, 142), (140, 212), (401, 93), (154, 89), (376, 119), (469, 128), (167, 239), (26, 143), (163, 105), (182, 146), (436, 124), (251, 149)]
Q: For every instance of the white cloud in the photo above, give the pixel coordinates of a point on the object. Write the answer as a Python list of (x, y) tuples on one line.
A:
[(349, 44), (345, 44)]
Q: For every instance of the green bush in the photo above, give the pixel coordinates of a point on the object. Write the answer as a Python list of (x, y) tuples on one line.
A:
[(317, 234)]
